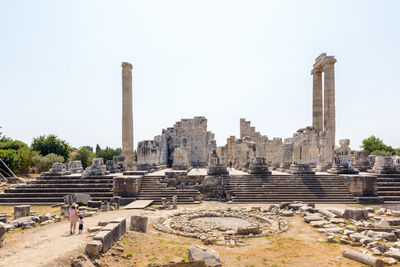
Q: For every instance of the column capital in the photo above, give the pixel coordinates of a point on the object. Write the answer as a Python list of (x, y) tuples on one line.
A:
[(316, 70), (126, 65), (330, 60)]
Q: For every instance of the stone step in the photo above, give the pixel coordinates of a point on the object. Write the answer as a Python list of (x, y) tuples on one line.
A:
[(64, 190), (42, 199), (52, 194), (80, 181), (68, 186)]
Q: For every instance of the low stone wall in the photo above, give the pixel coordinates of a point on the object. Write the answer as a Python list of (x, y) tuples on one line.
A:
[(104, 239), (127, 186), (364, 187)]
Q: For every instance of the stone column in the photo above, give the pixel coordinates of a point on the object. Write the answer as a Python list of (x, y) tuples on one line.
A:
[(317, 100), (127, 114), (329, 98)]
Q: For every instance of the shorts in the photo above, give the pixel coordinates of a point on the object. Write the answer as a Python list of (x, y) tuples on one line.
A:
[(73, 219), (81, 227)]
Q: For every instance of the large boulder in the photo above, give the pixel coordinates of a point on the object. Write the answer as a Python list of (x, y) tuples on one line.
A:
[(208, 255)]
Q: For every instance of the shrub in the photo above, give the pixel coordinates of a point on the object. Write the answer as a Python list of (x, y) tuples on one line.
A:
[(15, 154), (51, 144), (44, 163), (372, 144), (381, 153), (84, 155), (108, 153)]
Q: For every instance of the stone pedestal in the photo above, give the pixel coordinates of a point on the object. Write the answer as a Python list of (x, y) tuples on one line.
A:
[(361, 161), (384, 165), (342, 159), (215, 167), (138, 224), (300, 169), (21, 211), (75, 166), (97, 169), (127, 186), (259, 166)]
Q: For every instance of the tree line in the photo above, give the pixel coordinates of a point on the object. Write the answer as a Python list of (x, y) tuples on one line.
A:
[(45, 150)]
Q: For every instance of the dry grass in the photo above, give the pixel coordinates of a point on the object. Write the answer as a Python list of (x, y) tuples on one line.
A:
[(39, 209), (302, 245)]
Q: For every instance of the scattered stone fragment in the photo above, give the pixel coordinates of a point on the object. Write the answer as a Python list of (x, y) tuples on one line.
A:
[(363, 258), (311, 218), (389, 261), (383, 224), (208, 255), (336, 230), (93, 248), (286, 213), (355, 214)]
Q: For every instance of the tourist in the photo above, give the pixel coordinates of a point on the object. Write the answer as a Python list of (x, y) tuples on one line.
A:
[(349, 165), (197, 165), (80, 224), (72, 218), (230, 165)]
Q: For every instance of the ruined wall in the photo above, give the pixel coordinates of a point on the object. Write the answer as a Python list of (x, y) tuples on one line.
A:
[(160, 151), (305, 146)]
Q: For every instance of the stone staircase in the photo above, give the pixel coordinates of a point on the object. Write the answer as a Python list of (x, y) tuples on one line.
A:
[(389, 188), (48, 190), (152, 189), (279, 188)]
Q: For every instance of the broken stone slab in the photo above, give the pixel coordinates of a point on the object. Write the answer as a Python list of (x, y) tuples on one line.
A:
[(393, 253), (357, 237), (105, 238), (208, 255), (355, 214), (389, 261), (93, 248), (138, 224), (297, 206), (318, 224), (286, 213), (327, 213), (382, 224), (94, 229), (336, 211), (122, 225), (336, 220), (46, 222), (103, 223), (94, 204), (22, 211), (7, 226), (382, 236), (248, 230), (363, 258), (311, 218), (114, 230), (336, 230)]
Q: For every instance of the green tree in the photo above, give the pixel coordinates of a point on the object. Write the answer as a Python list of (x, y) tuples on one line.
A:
[(15, 154), (108, 153), (381, 153), (85, 156), (51, 144), (373, 143), (97, 148), (44, 163)]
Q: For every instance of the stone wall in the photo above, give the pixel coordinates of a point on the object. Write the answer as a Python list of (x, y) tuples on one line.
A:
[(305, 146), (160, 151)]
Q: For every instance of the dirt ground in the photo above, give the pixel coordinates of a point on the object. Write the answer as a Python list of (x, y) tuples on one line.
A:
[(51, 245)]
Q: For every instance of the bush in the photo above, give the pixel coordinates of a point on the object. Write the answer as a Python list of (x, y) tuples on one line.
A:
[(51, 144), (372, 144), (11, 158), (108, 153), (84, 155), (15, 154), (44, 163), (381, 153)]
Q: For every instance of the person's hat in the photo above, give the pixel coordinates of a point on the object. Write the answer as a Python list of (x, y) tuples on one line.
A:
[(81, 217)]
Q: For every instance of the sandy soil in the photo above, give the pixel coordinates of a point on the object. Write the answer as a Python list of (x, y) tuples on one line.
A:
[(51, 245)]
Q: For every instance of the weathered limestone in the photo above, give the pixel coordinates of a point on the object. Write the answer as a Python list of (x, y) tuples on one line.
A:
[(317, 99), (127, 114), (384, 165), (75, 166), (259, 166), (276, 148), (396, 163), (21, 211), (363, 187), (127, 187), (325, 153), (138, 224), (97, 169), (305, 151), (208, 255), (361, 257), (287, 154), (56, 169), (160, 151), (342, 158), (361, 161), (181, 159), (215, 166)]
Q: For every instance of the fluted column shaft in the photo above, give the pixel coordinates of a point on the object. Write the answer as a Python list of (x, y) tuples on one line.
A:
[(329, 100), (127, 113), (317, 100)]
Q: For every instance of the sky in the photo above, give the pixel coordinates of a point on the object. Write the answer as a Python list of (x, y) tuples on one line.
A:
[(60, 67)]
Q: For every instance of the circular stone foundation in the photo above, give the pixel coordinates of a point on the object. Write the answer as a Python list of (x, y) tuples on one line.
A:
[(223, 226)]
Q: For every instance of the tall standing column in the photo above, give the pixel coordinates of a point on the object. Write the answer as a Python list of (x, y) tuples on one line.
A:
[(317, 100), (329, 99), (127, 114)]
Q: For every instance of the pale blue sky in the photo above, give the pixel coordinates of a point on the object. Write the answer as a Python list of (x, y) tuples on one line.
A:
[(60, 66)]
